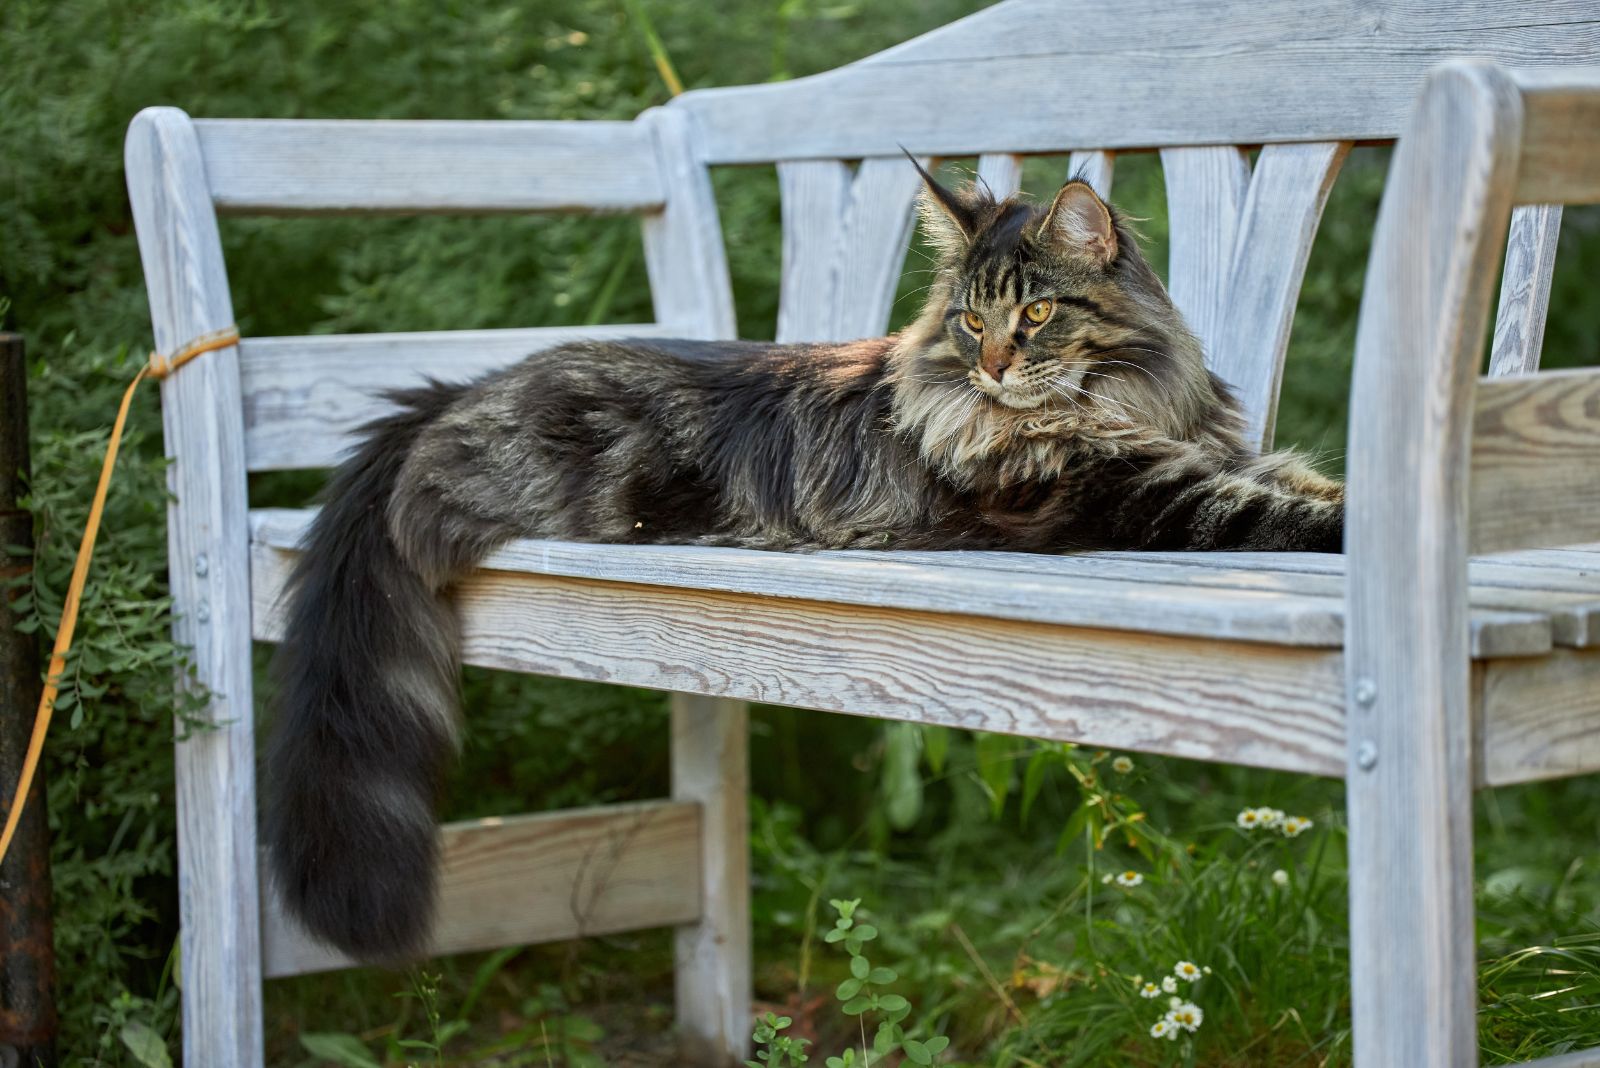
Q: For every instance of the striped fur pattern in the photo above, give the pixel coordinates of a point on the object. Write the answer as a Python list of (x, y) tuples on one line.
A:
[(1049, 398)]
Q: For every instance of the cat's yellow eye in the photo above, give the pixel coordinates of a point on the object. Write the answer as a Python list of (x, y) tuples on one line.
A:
[(1038, 311), (974, 322)]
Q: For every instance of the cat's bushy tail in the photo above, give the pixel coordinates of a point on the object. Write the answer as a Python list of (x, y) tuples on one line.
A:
[(367, 710)]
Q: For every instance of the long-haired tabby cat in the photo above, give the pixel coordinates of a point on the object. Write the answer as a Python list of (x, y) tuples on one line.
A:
[(1048, 398)]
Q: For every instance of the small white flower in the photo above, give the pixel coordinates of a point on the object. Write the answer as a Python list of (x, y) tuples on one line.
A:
[(1294, 826), (1106, 878), (1280, 876), (1186, 1015), (1188, 971), (1163, 1029), (1248, 818), (1268, 816), (1206, 969), (1129, 879), (1149, 990), (1170, 985), (1122, 765)]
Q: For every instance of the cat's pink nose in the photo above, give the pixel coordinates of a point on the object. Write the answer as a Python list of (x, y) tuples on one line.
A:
[(995, 363)]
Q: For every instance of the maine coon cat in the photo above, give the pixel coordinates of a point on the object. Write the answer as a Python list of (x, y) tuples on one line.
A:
[(1048, 398)]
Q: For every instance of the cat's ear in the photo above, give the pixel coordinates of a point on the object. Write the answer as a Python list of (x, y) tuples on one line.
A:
[(949, 218), (1080, 221)]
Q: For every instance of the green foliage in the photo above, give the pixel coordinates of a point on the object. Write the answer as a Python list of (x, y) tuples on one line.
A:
[(997, 924)]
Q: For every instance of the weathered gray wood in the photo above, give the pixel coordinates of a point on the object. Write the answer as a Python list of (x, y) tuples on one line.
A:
[(321, 165), (873, 242), (1206, 190), (1540, 718), (1095, 167), (878, 580), (1525, 289), (515, 880), (814, 195), (1561, 135), (303, 396), (1288, 189), (710, 767), (208, 546), (1001, 172), (689, 284), (1437, 248), (1243, 702), (1536, 460), (1096, 74), (1498, 611)]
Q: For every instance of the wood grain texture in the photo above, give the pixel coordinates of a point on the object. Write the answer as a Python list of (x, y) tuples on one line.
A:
[(1288, 190), (287, 166), (1560, 136), (689, 284), (1525, 289), (1437, 250), (878, 580), (1206, 190), (516, 880), (1131, 75), (1243, 702), (207, 548), (1536, 460), (1540, 719), (814, 194), (304, 396), (1096, 167), (711, 769), (872, 246)]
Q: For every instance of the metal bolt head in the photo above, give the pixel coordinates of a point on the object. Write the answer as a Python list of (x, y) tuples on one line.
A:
[(201, 565), (1366, 692), (203, 612), (1367, 755)]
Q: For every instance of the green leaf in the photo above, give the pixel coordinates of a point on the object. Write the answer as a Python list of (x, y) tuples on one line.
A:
[(865, 932), (917, 1052), (936, 746), (902, 782), (881, 976), (848, 989), (147, 1047), (1033, 778), (347, 1051), (937, 1044), (996, 762), (893, 1003), (1073, 829), (835, 935), (856, 1005), (860, 967)]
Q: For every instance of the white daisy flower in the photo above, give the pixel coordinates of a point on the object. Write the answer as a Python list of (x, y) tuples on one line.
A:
[(1294, 826), (1122, 765), (1169, 984), (1130, 879), (1248, 818), (1163, 1029), (1280, 876), (1149, 990), (1188, 971), (1187, 1015), (1268, 816)]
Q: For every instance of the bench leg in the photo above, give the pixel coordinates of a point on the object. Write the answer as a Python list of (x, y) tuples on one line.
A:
[(710, 766)]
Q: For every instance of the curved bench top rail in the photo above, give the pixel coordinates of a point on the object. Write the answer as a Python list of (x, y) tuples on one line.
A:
[(291, 166), (1046, 75)]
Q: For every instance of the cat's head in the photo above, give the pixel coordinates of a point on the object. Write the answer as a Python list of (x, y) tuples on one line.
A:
[(1053, 306)]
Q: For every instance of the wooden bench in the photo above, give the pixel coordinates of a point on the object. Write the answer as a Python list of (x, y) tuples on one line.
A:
[(1411, 669)]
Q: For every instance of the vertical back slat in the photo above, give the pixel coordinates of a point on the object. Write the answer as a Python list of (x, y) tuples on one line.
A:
[(1096, 168), (875, 235), (814, 195), (1525, 289), (1287, 193), (683, 249), (208, 551), (1001, 172), (1206, 190)]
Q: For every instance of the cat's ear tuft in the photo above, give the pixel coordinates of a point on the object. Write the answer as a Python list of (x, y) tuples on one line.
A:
[(1081, 222), (949, 217)]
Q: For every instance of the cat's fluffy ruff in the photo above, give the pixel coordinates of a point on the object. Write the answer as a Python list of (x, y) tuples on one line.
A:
[(1048, 398)]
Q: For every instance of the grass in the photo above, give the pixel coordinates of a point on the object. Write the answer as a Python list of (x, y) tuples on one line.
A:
[(979, 860)]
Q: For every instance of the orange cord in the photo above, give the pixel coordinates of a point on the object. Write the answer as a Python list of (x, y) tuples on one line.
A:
[(159, 367)]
